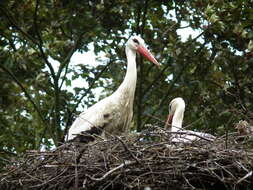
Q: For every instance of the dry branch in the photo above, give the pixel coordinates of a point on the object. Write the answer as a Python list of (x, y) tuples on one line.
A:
[(136, 161)]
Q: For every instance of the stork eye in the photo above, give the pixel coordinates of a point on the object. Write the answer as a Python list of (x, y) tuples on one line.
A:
[(136, 41)]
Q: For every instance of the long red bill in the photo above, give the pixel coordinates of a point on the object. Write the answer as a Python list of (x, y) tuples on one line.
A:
[(146, 53), (169, 121)]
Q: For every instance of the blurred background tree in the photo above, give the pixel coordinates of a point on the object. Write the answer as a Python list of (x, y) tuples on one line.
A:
[(211, 71)]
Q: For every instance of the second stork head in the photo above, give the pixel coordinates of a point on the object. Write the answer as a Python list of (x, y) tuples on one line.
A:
[(176, 114)]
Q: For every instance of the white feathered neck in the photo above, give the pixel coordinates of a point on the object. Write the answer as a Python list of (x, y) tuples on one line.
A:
[(129, 82), (177, 110)]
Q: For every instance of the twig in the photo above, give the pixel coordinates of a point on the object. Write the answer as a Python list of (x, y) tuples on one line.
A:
[(245, 177), (154, 117), (52, 179), (36, 179), (187, 181), (183, 132), (27, 95), (76, 170), (126, 163), (127, 149), (226, 170)]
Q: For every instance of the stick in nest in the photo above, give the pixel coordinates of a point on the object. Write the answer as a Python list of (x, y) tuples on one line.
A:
[(126, 163), (127, 149)]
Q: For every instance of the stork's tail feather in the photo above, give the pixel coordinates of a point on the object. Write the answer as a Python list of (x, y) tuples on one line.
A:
[(88, 136)]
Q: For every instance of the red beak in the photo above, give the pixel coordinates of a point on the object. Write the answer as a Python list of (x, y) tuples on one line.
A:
[(146, 53), (169, 121)]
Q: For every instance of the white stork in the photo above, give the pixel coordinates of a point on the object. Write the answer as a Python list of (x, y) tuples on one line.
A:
[(113, 114), (174, 124)]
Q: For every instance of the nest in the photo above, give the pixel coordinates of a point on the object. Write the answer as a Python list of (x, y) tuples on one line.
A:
[(138, 161)]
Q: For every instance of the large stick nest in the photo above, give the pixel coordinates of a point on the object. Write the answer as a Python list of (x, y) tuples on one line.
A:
[(145, 161)]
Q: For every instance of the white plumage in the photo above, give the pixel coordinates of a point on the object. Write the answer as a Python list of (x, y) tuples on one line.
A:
[(113, 114), (174, 124)]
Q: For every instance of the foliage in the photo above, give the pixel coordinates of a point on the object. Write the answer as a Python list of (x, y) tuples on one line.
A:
[(212, 71)]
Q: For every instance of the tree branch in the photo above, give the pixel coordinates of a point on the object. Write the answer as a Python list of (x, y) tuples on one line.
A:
[(175, 80), (140, 83), (40, 44), (15, 25), (65, 63), (25, 92), (157, 77), (67, 58)]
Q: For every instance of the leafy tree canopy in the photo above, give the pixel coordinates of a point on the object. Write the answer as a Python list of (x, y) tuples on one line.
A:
[(212, 71)]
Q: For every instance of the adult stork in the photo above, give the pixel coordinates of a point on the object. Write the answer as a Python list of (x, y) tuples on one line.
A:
[(113, 114), (174, 124)]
